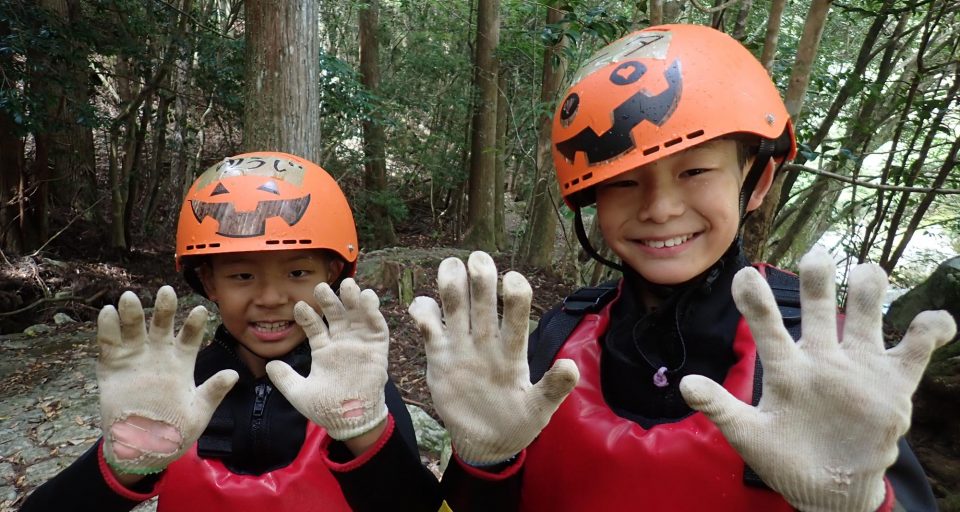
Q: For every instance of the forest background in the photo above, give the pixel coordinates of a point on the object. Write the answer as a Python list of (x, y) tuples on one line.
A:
[(434, 117)]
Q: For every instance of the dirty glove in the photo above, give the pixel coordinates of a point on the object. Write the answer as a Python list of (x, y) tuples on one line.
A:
[(827, 425), (477, 368), (344, 391), (151, 411)]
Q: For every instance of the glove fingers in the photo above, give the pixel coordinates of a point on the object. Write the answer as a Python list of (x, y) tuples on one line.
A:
[(108, 328), (555, 385), (483, 296), (928, 331), (426, 314), (452, 284), (755, 300), (212, 391), (285, 379), (164, 309), (723, 409), (191, 334), (132, 328), (516, 313), (350, 294), (818, 300), (312, 325), (370, 309), (331, 306), (863, 326)]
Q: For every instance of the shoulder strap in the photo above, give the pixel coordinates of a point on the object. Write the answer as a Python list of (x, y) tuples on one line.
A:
[(588, 299)]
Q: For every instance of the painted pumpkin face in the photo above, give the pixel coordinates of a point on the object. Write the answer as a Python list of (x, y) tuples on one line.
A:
[(264, 202)]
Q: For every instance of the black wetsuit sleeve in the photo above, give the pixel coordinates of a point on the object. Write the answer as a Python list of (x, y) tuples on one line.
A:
[(81, 487), (468, 493), (911, 489), (394, 478)]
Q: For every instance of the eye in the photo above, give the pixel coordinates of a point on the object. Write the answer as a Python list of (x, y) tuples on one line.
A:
[(241, 276), (618, 184), (689, 173), (299, 273)]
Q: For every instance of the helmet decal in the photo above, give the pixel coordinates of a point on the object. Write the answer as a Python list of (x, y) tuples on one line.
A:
[(637, 108), (639, 45), (280, 169), (236, 224)]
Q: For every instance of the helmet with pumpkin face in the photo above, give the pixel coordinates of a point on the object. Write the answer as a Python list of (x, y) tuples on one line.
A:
[(657, 92), (264, 201)]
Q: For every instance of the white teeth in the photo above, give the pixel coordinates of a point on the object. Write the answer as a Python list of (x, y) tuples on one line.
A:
[(659, 244), (272, 326)]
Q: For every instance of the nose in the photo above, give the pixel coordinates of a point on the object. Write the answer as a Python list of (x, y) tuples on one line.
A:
[(660, 200), (271, 294)]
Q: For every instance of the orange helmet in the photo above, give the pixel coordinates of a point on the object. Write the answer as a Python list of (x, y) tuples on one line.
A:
[(657, 92), (265, 201)]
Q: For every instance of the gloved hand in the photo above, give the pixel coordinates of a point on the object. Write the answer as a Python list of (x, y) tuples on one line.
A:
[(477, 368), (827, 424), (151, 411), (344, 391)]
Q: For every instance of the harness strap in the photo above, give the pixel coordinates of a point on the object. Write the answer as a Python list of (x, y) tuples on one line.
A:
[(558, 328)]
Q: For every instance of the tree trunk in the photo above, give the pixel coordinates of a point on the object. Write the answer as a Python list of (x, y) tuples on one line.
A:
[(479, 233), (757, 227), (374, 139), (282, 100), (499, 210), (536, 246), (740, 27), (772, 35)]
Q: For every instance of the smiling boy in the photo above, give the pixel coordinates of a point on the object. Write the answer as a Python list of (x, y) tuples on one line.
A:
[(680, 388)]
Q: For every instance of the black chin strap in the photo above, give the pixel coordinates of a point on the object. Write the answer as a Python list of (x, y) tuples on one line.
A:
[(585, 241)]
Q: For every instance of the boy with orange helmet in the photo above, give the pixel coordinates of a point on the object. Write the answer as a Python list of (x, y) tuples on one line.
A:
[(276, 422), (661, 395)]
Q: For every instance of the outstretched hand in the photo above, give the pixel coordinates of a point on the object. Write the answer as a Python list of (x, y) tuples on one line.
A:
[(477, 368), (827, 424), (151, 411), (344, 392)]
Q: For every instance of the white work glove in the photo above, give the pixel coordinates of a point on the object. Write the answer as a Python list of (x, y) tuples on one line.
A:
[(151, 412), (827, 424), (477, 368), (344, 391)]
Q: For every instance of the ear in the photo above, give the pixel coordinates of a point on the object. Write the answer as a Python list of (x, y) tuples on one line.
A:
[(335, 267), (206, 278), (763, 186)]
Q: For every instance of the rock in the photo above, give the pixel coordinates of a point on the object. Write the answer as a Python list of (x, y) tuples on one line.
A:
[(62, 319), (431, 436), (37, 330), (940, 291), (935, 430)]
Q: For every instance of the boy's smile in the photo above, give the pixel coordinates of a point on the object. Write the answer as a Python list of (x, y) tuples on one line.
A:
[(674, 218), (256, 292)]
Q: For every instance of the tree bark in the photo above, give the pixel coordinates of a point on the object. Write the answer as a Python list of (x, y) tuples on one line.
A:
[(282, 100), (374, 139), (479, 233), (536, 245)]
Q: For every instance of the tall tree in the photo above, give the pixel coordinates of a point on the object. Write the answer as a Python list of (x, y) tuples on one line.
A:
[(757, 227), (281, 96), (536, 245), (479, 233), (374, 139)]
